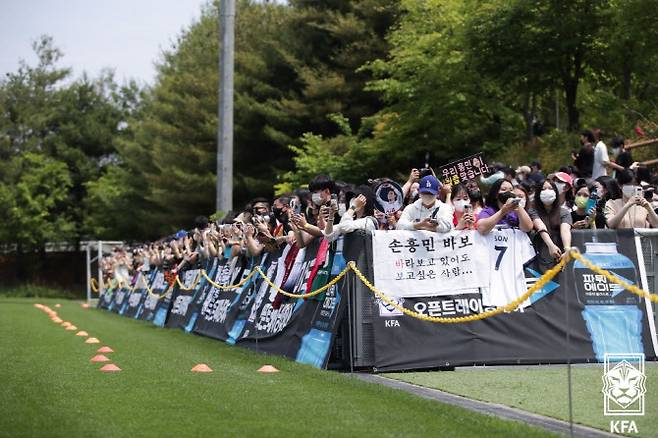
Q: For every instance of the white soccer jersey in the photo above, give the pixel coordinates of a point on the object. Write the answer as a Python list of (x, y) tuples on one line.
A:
[(509, 249)]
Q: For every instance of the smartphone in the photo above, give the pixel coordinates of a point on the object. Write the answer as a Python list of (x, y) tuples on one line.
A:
[(638, 191), (516, 201), (468, 208), (433, 216), (334, 201), (296, 206)]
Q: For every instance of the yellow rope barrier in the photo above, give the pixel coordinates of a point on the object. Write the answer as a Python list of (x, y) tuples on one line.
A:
[(230, 286), (629, 287), (548, 275), (307, 295), (539, 284), (181, 286)]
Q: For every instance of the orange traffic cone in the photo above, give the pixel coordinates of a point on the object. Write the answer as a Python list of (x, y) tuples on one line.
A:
[(100, 358), (105, 350), (71, 328), (201, 368), (267, 369), (92, 341), (109, 368), (82, 333)]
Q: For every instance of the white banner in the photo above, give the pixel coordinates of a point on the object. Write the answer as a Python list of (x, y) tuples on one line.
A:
[(425, 264), (422, 263)]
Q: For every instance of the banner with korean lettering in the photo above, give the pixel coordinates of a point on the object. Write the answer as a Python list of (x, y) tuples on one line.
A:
[(136, 298), (183, 298), (422, 263), (463, 170), (598, 316)]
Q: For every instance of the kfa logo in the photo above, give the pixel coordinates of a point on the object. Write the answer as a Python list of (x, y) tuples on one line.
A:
[(624, 384), (387, 310)]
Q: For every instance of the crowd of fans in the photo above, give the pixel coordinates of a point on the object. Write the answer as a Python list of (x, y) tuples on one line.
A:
[(595, 192)]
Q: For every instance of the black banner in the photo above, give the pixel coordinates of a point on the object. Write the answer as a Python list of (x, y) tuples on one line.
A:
[(219, 307), (576, 301), (152, 301), (183, 300), (136, 298), (598, 316)]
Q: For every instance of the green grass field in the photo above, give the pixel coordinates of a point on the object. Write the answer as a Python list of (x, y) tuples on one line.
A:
[(50, 388), (543, 390)]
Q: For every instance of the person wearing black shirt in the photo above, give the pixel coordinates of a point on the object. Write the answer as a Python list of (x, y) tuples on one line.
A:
[(624, 159), (584, 159)]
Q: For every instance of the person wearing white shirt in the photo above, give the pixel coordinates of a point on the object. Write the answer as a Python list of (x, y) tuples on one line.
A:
[(354, 219), (601, 160), (418, 216)]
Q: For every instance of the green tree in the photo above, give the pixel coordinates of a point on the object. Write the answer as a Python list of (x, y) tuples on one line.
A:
[(539, 43), (71, 121), (630, 50), (169, 147), (33, 189), (330, 41)]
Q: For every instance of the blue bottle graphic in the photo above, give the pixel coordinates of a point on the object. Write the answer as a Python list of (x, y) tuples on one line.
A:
[(611, 313), (314, 349)]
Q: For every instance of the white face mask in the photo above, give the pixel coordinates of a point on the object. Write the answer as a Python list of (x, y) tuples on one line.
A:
[(317, 198), (628, 190), (427, 198), (459, 204), (560, 187), (547, 196)]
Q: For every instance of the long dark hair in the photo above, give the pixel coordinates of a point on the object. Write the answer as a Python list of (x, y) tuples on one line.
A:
[(551, 216), (459, 188), (612, 188), (492, 196)]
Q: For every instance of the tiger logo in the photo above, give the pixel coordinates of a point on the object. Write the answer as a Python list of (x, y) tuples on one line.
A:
[(624, 384)]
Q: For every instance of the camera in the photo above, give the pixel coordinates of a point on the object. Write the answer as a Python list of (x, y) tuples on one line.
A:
[(503, 197), (425, 171)]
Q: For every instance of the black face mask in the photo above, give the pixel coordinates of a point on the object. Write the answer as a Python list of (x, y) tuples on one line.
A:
[(474, 195), (280, 215)]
